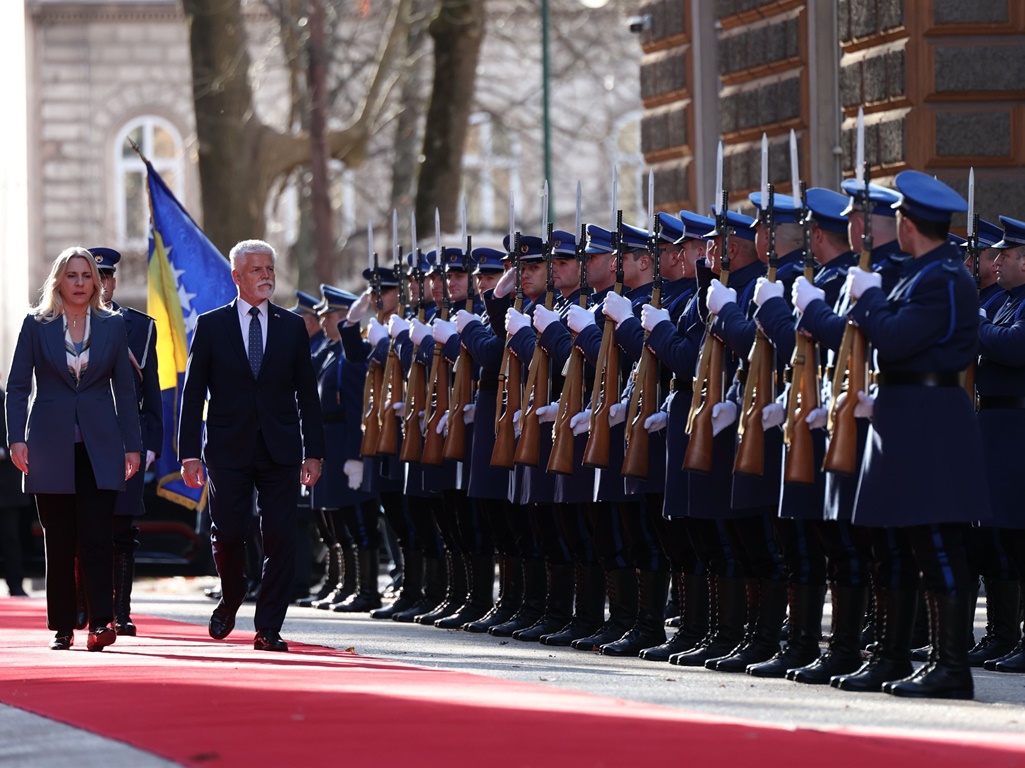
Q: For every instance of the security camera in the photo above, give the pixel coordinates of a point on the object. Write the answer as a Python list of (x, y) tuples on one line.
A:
[(639, 24)]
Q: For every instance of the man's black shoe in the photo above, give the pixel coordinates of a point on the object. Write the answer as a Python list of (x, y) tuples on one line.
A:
[(222, 620), (269, 640)]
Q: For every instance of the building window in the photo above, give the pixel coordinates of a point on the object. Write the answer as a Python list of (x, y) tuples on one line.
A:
[(490, 172), (161, 143)]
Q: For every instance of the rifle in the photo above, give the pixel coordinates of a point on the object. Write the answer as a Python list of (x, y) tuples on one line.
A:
[(605, 392), (416, 391), (539, 378), (572, 400), (850, 374), (710, 381), (975, 253), (388, 444), (462, 386), (760, 385), (805, 386), (440, 383), (645, 398), (373, 387), (510, 393)]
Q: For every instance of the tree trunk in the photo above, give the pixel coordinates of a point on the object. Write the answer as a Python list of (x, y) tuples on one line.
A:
[(407, 130), (323, 231), (458, 31)]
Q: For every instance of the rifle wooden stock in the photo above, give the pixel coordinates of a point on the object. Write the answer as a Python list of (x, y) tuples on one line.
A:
[(412, 444), (371, 393), (570, 404), (603, 397), (528, 448), (758, 393), (799, 465), (434, 443), (643, 402), (709, 391), (388, 443), (842, 452), (504, 452), (462, 395)]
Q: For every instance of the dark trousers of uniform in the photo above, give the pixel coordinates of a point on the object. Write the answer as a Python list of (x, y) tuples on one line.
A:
[(474, 528), (125, 534), (609, 538), (393, 503), (942, 558), (676, 541), (548, 535), (362, 522), (78, 524), (637, 520), (754, 542), (989, 555), (572, 521), (527, 545), (447, 516), (802, 552), (894, 564), (425, 532), (497, 512), (714, 547), (848, 551), (231, 515)]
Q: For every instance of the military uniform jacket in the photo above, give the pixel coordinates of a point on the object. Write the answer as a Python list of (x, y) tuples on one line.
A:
[(1000, 385), (924, 459)]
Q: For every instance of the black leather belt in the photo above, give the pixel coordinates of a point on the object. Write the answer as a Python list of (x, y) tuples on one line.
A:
[(1002, 401), (919, 379), (333, 419)]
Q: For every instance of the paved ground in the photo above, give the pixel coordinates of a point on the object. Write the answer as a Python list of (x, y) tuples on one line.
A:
[(999, 704)]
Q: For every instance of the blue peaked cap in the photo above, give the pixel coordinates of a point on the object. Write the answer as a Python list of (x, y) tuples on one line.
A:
[(784, 210), (827, 208), (1014, 233), (882, 198), (743, 226), (304, 303), (488, 260), (695, 226), (928, 198)]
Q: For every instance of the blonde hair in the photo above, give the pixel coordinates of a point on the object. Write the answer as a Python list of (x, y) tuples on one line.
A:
[(51, 305)]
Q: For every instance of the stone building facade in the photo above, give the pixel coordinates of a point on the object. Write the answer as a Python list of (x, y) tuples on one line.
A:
[(941, 83)]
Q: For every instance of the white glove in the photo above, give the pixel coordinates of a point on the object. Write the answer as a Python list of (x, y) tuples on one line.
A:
[(544, 317), (656, 422), (464, 318), (817, 417), (397, 325), (150, 458), (468, 413), (517, 427), (442, 424), (353, 469), (548, 413), (617, 414), (443, 329), (723, 414), (982, 314), (419, 331), (581, 423), (650, 317), (719, 296), (859, 281), (579, 318), (515, 321), (804, 293), (616, 307), (359, 308), (765, 290), (773, 415), (864, 408), (399, 408), (505, 284), (376, 332)]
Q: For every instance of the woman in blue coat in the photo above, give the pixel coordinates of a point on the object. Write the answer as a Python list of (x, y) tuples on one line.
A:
[(77, 440)]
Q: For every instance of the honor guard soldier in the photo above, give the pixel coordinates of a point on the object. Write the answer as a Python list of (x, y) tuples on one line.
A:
[(142, 350)]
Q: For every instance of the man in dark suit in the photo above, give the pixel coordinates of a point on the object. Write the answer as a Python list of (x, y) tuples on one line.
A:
[(263, 433)]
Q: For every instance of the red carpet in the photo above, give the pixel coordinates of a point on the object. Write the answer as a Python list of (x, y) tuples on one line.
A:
[(180, 695)]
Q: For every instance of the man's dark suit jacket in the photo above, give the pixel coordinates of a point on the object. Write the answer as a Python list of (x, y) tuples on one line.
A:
[(281, 403)]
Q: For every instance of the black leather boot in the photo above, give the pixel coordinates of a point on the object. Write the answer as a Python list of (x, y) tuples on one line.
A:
[(331, 579), (412, 590), (694, 617), (843, 655), (674, 606), (535, 590), (346, 585), (1013, 662), (124, 573), (621, 585), (802, 645), (367, 596), (435, 584), (763, 641), (868, 629), (1003, 603), (558, 604), (480, 574), (649, 629), (894, 619), (510, 596), (727, 612), (948, 676), (455, 590), (589, 613)]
